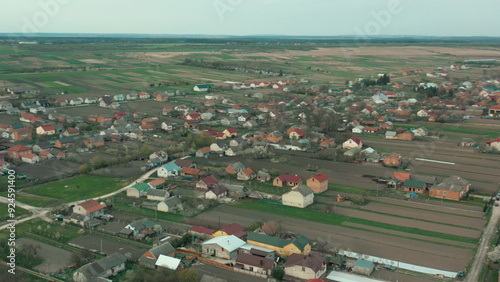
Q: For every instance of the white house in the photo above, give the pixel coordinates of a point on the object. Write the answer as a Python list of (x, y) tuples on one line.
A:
[(5, 105), (169, 170), (305, 267), (300, 197), (222, 246), (352, 143), (90, 208), (421, 131), (46, 130), (358, 129), (30, 158), (169, 204)]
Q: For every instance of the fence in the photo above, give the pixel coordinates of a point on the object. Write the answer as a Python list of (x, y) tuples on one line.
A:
[(248, 272), (402, 265), (188, 252), (214, 263)]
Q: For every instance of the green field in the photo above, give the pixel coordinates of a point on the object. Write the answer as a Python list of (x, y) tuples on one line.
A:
[(35, 201), (77, 188), (4, 215), (337, 219), (137, 211)]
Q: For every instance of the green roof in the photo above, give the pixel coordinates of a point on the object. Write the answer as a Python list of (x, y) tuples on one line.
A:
[(17, 125), (364, 263), (141, 187), (205, 85), (414, 183), (269, 240), (300, 242)]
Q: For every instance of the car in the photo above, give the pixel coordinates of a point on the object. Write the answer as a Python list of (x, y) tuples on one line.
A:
[(389, 267)]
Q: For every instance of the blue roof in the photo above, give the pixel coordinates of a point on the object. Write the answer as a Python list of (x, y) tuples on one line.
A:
[(172, 166), (364, 263)]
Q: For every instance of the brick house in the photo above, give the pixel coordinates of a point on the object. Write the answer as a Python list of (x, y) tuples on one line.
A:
[(391, 160), (318, 183), (414, 186), (408, 136), (453, 188), (287, 180), (17, 151)]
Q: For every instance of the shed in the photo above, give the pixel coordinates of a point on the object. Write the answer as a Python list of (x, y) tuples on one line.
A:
[(364, 267)]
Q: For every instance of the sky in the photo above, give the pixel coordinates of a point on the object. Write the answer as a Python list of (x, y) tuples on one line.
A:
[(254, 17)]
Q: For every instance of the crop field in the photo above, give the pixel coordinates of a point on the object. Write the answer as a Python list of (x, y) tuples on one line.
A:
[(394, 237), (77, 188)]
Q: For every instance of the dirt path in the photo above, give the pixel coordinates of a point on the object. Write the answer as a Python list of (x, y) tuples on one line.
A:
[(482, 250)]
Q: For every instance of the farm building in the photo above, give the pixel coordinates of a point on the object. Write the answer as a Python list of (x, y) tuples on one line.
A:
[(300, 197), (282, 247), (414, 186), (157, 195), (138, 190), (222, 246), (364, 267), (453, 188)]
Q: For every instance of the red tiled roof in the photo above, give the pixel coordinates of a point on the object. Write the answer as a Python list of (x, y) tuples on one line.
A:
[(401, 176), (356, 140), (44, 153), (157, 182), (210, 180), (205, 150), (192, 171), (320, 177), (234, 229), (29, 155), (248, 171), (48, 127), (496, 107), (290, 178), (18, 148), (202, 230), (91, 206), (493, 141), (231, 130)]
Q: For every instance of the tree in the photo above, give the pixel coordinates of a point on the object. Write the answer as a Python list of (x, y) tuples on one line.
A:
[(494, 255), (278, 273), (281, 73), (188, 275), (254, 225)]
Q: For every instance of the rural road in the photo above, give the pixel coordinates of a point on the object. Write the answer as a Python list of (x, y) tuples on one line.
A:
[(42, 212), (482, 250)]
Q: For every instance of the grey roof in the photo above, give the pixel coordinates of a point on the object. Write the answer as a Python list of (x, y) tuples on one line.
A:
[(423, 178), (157, 192), (304, 190), (238, 166), (219, 189), (94, 269), (172, 201), (163, 249), (452, 183)]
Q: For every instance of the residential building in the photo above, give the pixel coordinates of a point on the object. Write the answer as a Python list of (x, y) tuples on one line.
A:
[(231, 229), (169, 204), (363, 267), (225, 247), (138, 190), (149, 258), (312, 266), (254, 264), (300, 197), (282, 247), (414, 186), (318, 183), (103, 268), (352, 143), (169, 170), (217, 192), (453, 188), (287, 180), (17, 151), (90, 208)]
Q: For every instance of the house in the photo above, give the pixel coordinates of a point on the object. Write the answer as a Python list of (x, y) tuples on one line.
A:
[(168, 170), (254, 264), (17, 151), (201, 232), (76, 101), (231, 229), (312, 266), (235, 168), (358, 129), (90, 209), (158, 183), (392, 160), (263, 176), (90, 100), (64, 142), (219, 146), (225, 247), (5, 105), (423, 113), (169, 204), (168, 262), (287, 180), (429, 180), (246, 174), (47, 129), (318, 183), (453, 188), (216, 192), (363, 267), (168, 126), (206, 183), (138, 190), (157, 195), (142, 228), (494, 110), (408, 136), (105, 267), (327, 143), (391, 135), (71, 132), (300, 197), (30, 158), (203, 87), (420, 132), (45, 155), (414, 186), (274, 137), (282, 247), (203, 152), (144, 95), (149, 258), (493, 144), (94, 142), (295, 133), (352, 143), (132, 96), (230, 132)]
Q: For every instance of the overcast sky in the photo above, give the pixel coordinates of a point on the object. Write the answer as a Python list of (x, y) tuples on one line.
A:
[(251, 17)]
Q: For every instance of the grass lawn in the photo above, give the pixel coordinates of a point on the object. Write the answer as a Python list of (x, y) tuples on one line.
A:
[(4, 215), (152, 214), (337, 219), (351, 189), (34, 200), (77, 188)]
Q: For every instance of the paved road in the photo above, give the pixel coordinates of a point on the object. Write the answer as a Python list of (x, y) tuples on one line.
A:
[(482, 250)]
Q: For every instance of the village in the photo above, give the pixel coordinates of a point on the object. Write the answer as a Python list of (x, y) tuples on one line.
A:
[(223, 177)]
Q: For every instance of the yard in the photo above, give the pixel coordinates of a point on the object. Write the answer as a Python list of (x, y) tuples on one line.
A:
[(77, 188), (4, 214)]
